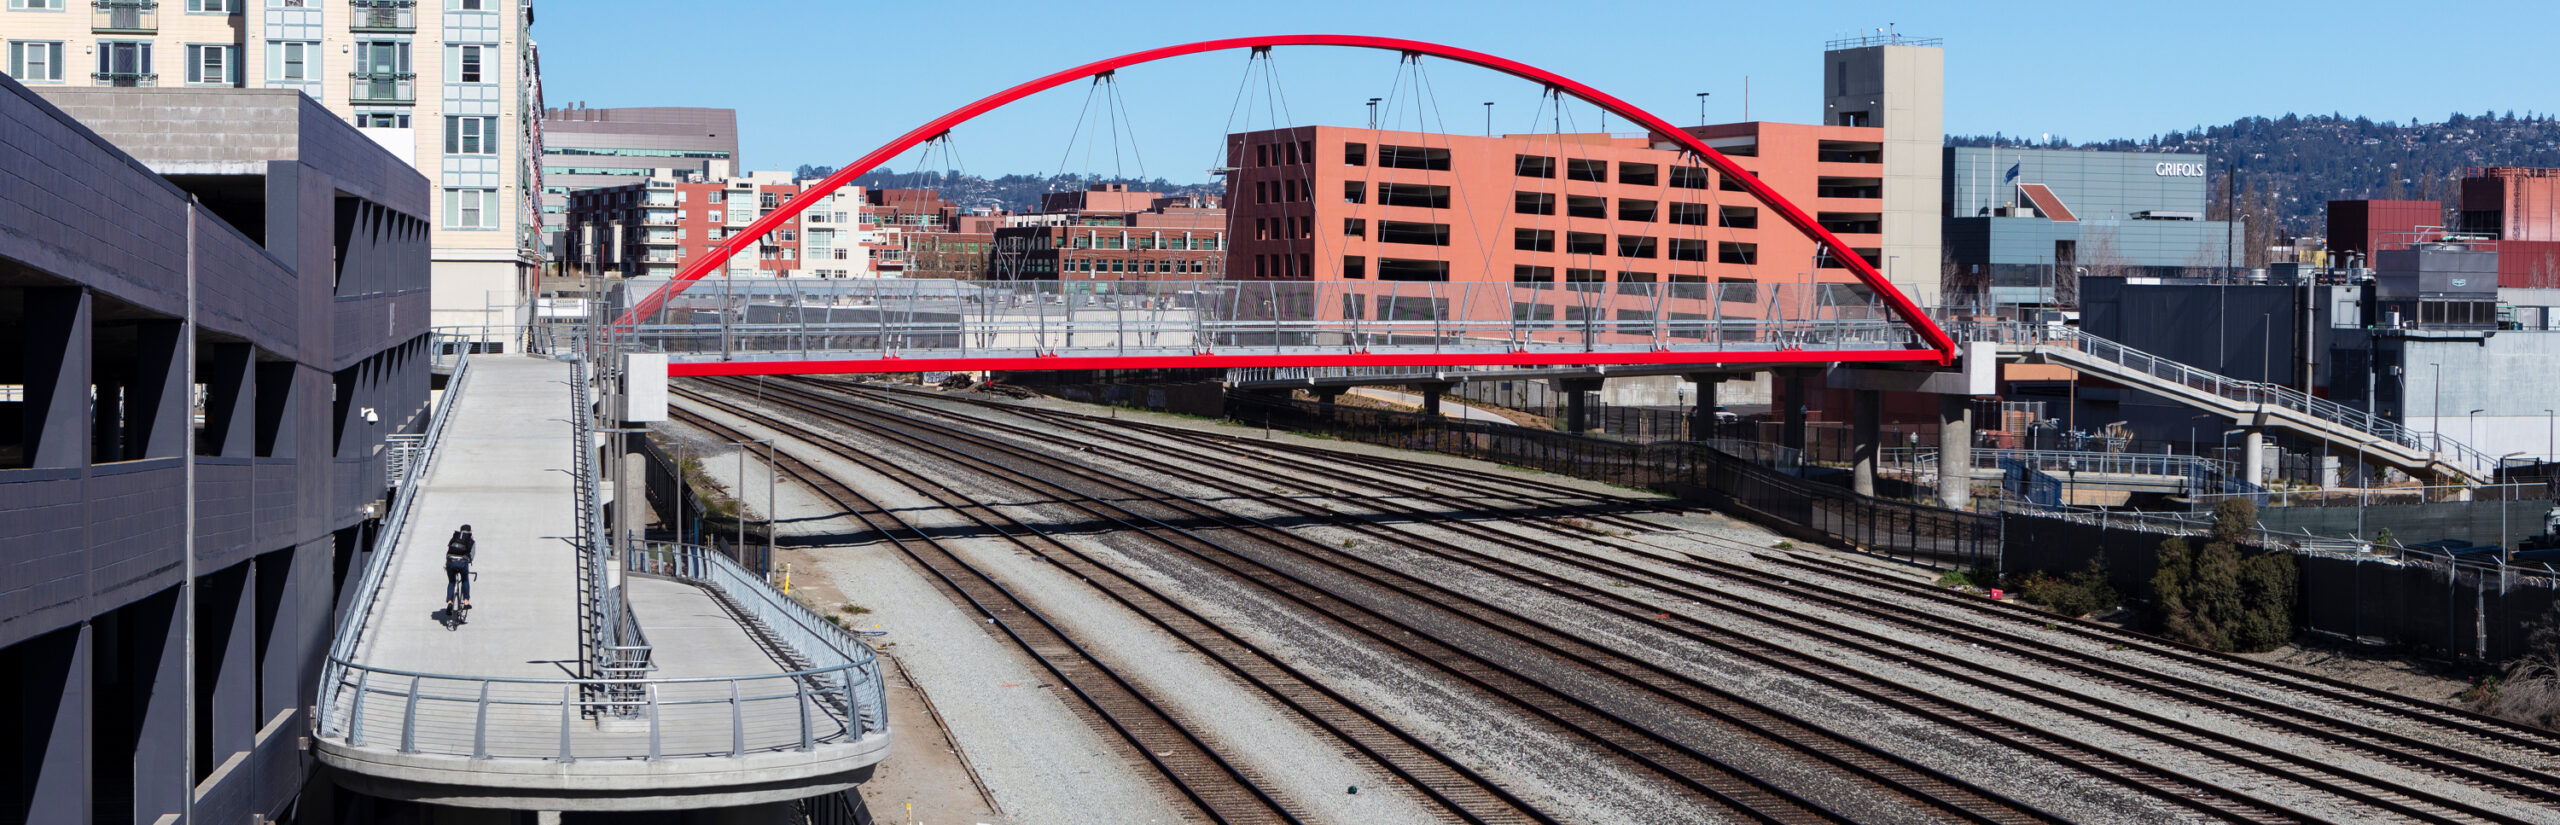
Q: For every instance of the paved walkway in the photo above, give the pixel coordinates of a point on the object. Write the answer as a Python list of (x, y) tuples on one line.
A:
[(1448, 407), (505, 470)]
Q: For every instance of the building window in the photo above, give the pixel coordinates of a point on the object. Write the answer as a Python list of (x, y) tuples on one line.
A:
[(1354, 266), (470, 135), (1689, 214), (1635, 246), (124, 62), (1539, 277), (1586, 280), (467, 65), (470, 5), (213, 6), (35, 5), (1586, 243), (297, 61), (1635, 283), (1635, 210), (1533, 240), (1596, 171), (1688, 249), (1427, 234), (1533, 203), (768, 200), (212, 64), (1585, 206), (35, 61), (471, 209), (1638, 174), (1534, 166), (1355, 228), (382, 120), (1355, 192), (1262, 155), (1355, 154), (1688, 177), (1737, 253), (1413, 157)]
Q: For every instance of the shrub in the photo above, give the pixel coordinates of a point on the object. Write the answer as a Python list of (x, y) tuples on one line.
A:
[(2210, 597)]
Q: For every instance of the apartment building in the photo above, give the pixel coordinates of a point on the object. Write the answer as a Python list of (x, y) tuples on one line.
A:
[(673, 217), (588, 148), (1109, 233), (451, 86)]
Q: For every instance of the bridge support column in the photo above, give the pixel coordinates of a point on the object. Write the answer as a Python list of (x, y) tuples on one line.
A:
[(1791, 402), (2253, 455), (1328, 398), (1866, 414), (1702, 417), (1577, 402), (1955, 451), (1431, 398)]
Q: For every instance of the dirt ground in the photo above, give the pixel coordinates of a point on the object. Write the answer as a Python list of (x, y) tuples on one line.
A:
[(2416, 678)]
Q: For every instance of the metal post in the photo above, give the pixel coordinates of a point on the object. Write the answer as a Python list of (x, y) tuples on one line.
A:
[(480, 725), (771, 468), (655, 752), (737, 723), (807, 736), (409, 719), (568, 711), (355, 710)]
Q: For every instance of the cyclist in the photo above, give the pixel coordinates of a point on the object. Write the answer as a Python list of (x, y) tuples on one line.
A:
[(457, 569)]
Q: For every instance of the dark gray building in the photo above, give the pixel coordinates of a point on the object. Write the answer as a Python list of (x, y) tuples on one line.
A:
[(213, 309), (2026, 223)]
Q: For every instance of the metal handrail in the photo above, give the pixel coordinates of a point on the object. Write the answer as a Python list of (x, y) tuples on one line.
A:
[(2233, 389), (395, 522), (506, 717)]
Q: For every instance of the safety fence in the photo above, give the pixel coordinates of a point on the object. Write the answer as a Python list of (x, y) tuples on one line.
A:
[(395, 521), (1700, 471)]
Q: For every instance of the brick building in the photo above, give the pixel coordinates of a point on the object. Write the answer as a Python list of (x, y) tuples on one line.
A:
[(1108, 233), (674, 216)]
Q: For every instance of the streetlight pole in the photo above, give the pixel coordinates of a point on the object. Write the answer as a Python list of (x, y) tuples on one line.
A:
[(2475, 428), (768, 495), (1702, 108), (2435, 408), (1488, 118)]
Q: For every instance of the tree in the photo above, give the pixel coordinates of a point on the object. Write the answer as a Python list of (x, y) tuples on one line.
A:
[(2211, 597), (2531, 691)]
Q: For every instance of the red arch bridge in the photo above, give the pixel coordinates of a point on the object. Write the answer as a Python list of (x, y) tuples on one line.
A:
[(804, 325)]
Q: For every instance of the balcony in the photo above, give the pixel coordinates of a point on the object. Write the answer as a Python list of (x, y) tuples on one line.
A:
[(382, 15), (379, 88), (125, 17), (128, 79), (657, 218)]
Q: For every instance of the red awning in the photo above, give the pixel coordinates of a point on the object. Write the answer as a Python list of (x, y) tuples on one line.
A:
[(2047, 202)]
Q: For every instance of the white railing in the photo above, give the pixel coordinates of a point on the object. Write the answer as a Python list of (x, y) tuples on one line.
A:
[(2061, 339)]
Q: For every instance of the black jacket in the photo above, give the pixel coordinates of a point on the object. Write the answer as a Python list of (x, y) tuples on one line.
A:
[(459, 548)]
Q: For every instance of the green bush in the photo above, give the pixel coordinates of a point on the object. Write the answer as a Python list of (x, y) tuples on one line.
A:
[(2083, 593), (2211, 597)]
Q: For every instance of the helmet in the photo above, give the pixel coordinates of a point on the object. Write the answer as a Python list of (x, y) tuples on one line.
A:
[(466, 528)]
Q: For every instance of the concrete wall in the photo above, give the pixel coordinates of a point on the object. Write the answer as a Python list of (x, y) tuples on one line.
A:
[(290, 331)]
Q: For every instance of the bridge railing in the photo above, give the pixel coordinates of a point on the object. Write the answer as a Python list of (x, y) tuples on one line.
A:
[(2233, 389), (395, 522), (804, 317), (830, 692)]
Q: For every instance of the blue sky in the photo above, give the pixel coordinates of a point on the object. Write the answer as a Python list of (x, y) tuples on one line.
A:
[(832, 79)]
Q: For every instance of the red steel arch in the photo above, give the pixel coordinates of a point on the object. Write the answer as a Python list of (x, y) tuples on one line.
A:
[(1937, 339)]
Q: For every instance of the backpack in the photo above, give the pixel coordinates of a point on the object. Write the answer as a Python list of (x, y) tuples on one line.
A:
[(457, 553)]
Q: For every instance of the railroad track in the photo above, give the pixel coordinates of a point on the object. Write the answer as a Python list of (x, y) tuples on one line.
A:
[(1187, 762), (2522, 784), (1879, 771)]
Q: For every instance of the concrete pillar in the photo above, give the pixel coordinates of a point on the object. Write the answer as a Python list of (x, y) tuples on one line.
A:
[(1791, 401), (54, 715), (57, 372), (1866, 414), (2253, 460), (1431, 398), (1955, 451), (1328, 397), (226, 663), (1702, 416), (1577, 400), (156, 403), (231, 399)]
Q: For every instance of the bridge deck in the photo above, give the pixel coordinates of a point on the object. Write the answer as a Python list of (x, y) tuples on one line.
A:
[(494, 725)]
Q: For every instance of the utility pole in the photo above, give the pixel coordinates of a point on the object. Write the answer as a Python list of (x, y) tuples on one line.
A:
[(1373, 113), (1702, 108), (1488, 118)]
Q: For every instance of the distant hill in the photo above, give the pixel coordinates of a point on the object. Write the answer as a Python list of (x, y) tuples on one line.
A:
[(2295, 164), (1019, 193)]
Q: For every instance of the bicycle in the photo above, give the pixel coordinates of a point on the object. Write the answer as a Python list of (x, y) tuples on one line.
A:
[(457, 613)]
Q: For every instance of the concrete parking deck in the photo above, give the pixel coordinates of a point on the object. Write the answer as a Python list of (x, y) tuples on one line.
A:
[(487, 714)]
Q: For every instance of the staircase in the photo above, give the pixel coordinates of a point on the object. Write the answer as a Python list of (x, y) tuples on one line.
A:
[(2247, 403)]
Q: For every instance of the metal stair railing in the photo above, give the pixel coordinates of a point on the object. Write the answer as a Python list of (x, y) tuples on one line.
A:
[(2093, 348), (797, 635)]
